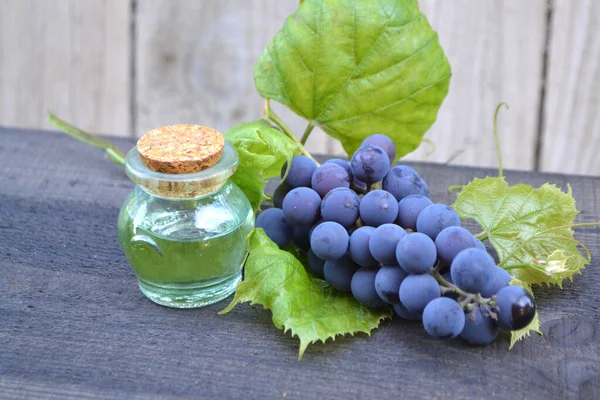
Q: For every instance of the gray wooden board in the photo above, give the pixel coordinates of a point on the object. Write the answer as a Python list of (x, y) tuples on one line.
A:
[(73, 323)]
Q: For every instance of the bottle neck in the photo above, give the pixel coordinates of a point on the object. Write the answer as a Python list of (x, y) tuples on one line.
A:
[(183, 186)]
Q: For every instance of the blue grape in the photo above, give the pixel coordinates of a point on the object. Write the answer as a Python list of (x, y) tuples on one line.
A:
[(501, 278), (275, 225), (515, 308), (312, 228), (416, 291), (329, 176), (315, 264), (443, 318), (384, 142), (359, 247), (479, 329), (342, 163), (301, 237), (403, 312), (329, 241), (403, 181), (378, 207), (370, 164), (416, 253), (302, 206), (339, 273), (451, 241), (363, 287), (279, 194), (473, 270), (387, 283), (435, 218), (383, 243), (340, 205), (300, 173), (409, 209)]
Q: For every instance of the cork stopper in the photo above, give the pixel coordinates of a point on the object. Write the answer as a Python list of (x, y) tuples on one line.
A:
[(181, 149)]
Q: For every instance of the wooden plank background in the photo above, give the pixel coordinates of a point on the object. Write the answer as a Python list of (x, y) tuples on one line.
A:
[(122, 67)]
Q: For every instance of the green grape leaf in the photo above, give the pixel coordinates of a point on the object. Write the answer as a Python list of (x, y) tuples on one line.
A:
[(526, 226), (313, 312), (262, 150), (355, 68)]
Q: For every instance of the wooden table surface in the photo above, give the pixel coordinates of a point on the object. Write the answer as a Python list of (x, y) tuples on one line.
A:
[(73, 323)]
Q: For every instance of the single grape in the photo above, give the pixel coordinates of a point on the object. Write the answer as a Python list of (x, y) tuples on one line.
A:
[(384, 142), (383, 243), (473, 270), (329, 241), (435, 218), (340, 205), (359, 247), (443, 318), (416, 291), (339, 273), (300, 173), (378, 207), (515, 306), (416, 253), (387, 283), (370, 164), (501, 278), (279, 194), (403, 181), (315, 264), (479, 329), (275, 225), (302, 206), (363, 287), (329, 176), (451, 241), (342, 163), (301, 237), (403, 313), (409, 209)]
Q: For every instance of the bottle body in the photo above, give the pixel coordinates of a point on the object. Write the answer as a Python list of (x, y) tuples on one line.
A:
[(186, 252)]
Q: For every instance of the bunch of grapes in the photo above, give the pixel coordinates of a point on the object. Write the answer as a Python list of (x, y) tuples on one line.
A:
[(371, 229)]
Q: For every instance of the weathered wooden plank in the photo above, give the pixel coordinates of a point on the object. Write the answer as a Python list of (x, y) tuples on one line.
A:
[(572, 111), (74, 323), (195, 61), (70, 57), (495, 49)]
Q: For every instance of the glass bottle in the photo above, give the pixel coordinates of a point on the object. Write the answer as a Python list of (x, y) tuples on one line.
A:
[(185, 235)]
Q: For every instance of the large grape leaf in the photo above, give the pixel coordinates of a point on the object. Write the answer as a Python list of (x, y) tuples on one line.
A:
[(276, 279), (356, 67), (527, 227), (262, 150)]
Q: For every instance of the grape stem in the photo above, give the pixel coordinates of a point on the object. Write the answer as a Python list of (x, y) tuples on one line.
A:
[(466, 300), (272, 116), (496, 141), (481, 236), (307, 132)]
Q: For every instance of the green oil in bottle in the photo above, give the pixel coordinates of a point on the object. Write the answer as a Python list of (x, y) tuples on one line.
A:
[(186, 253)]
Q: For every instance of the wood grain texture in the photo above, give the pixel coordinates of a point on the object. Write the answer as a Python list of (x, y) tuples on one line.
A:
[(495, 49), (74, 324), (72, 57), (572, 110)]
